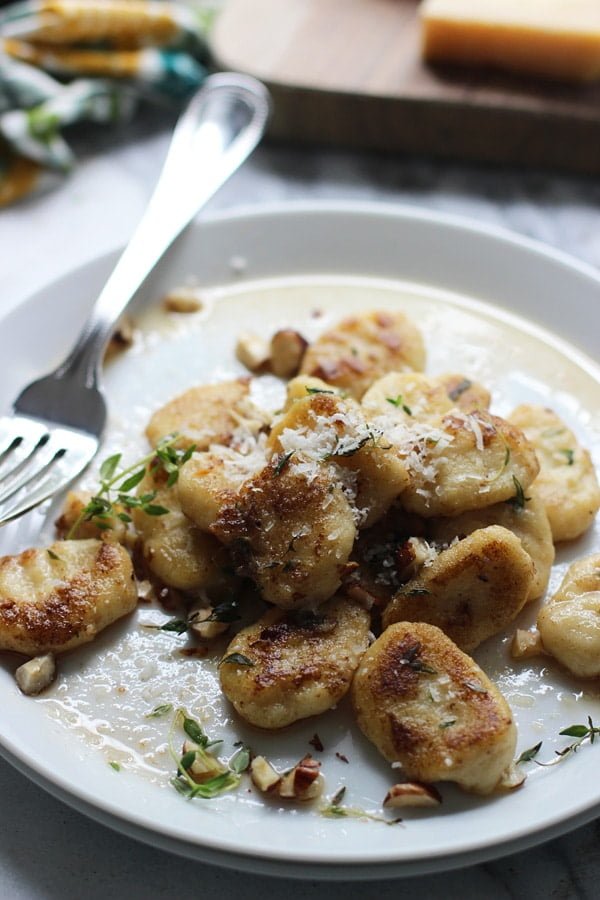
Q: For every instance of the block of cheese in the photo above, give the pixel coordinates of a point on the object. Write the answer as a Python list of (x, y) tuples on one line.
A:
[(558, 39)]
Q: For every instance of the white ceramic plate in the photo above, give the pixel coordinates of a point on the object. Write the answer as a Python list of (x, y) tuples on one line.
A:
[(520, 317)]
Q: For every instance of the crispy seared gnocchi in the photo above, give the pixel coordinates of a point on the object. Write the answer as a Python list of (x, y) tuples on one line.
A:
[(302, 663), (405, 396), (426, 705), (466, 462), (292, 535), (567, 482), (569, 624), (174, 550), (529, 522), (471, 591), (325, 431), (208, 414), (56, 598), (361, 349)]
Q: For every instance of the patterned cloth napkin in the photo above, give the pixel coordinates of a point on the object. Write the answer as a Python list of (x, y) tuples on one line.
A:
[(67, 61)]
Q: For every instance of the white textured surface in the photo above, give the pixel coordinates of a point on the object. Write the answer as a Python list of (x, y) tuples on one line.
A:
[(96, 210)]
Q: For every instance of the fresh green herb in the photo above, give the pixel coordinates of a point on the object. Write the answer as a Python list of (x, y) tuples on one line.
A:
[(227, 611), (552, 432), (529, 754), (460, 388), (448, 723), (283, 461), (53, 555), (411, 659), (225, 779), (159, 711), (236, 659), (115, 486), (506, 456), (344, 447), (581, 733), (240, 761), (570, 455), (399, 402), (519, 500), (314, 390), (179, 626), (417, 592), (115, 766), (334, 810)]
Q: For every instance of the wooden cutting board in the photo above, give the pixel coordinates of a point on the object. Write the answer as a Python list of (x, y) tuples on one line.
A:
[(349, 73)]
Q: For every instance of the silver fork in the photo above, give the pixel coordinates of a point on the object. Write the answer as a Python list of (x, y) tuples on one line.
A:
[(58, 420)]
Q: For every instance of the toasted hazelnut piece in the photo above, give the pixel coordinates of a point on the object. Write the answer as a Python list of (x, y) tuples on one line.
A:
[(304, 782), (205, 766), (35, 675), (182, 300), (201, 627), (264, 775), (512, 779), (287, 351), (526, 644), (252, 351), (121, 338), (412, 793)]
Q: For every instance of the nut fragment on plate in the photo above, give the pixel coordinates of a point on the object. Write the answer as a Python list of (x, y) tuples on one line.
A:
[(426, 705), (526, 644), (287, 349), (183, 300), (36, 674), (252, 350), (303, 782), (412, 793)]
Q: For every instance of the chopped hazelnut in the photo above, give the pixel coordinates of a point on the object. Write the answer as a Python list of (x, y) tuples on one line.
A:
[(412, 793), (287, 350), (35, 675), (264, 775), (183, 300), (526, 644), (252, 351), (303, 782), (201, 627)]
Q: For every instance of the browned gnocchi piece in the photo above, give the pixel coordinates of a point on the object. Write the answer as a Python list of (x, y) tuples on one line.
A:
[(360, 349), (290, 534), (567, 482), (301, 665), (528, 522), (429, 708), (56, 598), (208, 414), (471, 591)]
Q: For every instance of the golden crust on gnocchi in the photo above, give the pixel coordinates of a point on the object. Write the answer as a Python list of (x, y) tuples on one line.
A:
[(360, 349), (567, 482), (290, 534), (471, 591), (569, 624), (208, 414), (426, 705), (56, 598), (528, 522), (302, 664)]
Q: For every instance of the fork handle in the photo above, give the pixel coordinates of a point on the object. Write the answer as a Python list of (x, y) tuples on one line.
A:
[(220, 127)]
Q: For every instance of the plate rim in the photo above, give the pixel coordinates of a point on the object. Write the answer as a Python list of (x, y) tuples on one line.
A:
[(262, 862)]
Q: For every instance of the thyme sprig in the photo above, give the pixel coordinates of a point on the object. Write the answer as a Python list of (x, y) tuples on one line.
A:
[(335, 810), (226, 778), (114, 498), (581, 733)]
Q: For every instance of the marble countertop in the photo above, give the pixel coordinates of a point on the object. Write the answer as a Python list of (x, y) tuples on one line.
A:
[(46, 849)]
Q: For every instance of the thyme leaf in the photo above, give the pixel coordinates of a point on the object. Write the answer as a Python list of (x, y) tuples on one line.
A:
[(570, 455), (529, 754), (159, 711), (53, 555), (399, 402), (283, 461), (236, 659), (519, 500), (460, 388)]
